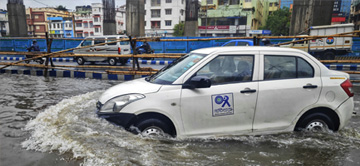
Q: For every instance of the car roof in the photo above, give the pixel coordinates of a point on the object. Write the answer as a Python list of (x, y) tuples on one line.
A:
[(105, 36), (211, 50)]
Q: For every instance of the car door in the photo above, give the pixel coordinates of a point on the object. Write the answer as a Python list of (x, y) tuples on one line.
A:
[(291, 82), (228, 106)]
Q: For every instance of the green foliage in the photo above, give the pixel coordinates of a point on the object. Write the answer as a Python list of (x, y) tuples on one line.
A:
[(62, 8), (179, 29), (279, 22)]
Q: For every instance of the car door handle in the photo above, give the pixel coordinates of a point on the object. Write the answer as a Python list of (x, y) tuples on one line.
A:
[(248, 91), (309, 86)]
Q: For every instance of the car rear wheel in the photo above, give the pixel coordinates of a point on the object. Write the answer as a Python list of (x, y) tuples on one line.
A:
[(112, 61), (154, 128), (316, 122), (80, 61)]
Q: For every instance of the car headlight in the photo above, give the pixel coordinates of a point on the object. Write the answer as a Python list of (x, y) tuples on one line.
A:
[(117, 103)]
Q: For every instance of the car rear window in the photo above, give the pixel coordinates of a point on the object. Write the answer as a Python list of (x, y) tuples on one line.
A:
[(286, 67)]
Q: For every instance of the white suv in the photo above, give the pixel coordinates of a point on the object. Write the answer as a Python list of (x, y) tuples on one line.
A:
[(233, 90)]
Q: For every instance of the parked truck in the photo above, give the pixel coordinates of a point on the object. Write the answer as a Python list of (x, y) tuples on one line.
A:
[(328, 47)]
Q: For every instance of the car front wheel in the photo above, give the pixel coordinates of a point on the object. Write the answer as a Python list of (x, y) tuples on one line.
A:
[(154, 128), (316, 122)]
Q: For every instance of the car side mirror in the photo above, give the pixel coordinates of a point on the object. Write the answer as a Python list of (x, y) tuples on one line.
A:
[(197, 82)]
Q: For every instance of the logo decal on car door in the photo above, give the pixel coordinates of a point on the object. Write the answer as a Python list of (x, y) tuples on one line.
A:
[(222, 104)]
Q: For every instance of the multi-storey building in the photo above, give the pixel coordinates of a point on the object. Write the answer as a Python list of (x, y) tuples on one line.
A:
[(232, 17), (60, 27), (4, 23), (37, 19), (90, 23), (162, 15)]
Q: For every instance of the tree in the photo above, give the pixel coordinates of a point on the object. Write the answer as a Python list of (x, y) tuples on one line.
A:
[(179, 29), (61, 8), (279, 22)]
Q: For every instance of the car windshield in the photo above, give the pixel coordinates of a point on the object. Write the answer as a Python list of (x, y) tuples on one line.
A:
[(173, 71)]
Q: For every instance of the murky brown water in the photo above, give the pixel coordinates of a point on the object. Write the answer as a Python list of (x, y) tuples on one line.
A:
[(65, 130)]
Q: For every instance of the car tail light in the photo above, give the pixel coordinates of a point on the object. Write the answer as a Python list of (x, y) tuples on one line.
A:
[(119, 50), (347, 86)]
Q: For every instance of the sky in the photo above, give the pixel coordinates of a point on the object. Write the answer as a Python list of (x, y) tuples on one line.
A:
[(70, 4)]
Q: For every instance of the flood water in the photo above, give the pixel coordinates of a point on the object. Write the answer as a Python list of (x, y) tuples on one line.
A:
[(52, 121)]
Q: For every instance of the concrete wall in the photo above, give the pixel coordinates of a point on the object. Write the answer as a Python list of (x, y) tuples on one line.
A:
[(310, 13), (109, 24), (135, 18), (17, 18)]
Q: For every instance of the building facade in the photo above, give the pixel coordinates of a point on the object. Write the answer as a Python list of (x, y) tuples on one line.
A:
[(232, 17), (121, 19), (91, 23), (162, 15), (4, 23), (60, 27), (37, 20)]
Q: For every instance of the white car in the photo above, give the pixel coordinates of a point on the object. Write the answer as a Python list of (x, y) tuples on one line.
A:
[(233, 91)]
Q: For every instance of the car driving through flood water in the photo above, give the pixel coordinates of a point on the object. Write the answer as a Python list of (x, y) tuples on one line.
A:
[(233, 91)]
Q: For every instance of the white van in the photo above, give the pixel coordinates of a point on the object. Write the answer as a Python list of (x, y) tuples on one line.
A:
[(233, 91), (120, 48)]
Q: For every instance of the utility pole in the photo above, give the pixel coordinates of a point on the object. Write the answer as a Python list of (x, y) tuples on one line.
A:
[(206, 9)]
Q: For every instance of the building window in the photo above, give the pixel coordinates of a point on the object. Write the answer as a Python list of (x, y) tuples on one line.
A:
[(91, 25), (168, 11), (85, 25), (209, 1), (144, 23), (168, 1), (182, 1), (144, 12), (155, 2), (155, 25), (27, 16), (36, 16), (99, 9), (37, 27), (96, 19), (247, 0), (155, 13), (58, 26), (97, 30), (78, 25), (167, 22)]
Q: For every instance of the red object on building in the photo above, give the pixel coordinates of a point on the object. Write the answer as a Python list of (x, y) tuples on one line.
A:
[(215, 27), (338, 19)]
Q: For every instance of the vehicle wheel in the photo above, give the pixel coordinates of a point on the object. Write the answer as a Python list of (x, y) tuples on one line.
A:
[(80, 61), (27, 62), (112, 61), (154, 128), (328, 56), (41, 61), (316, 122)]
